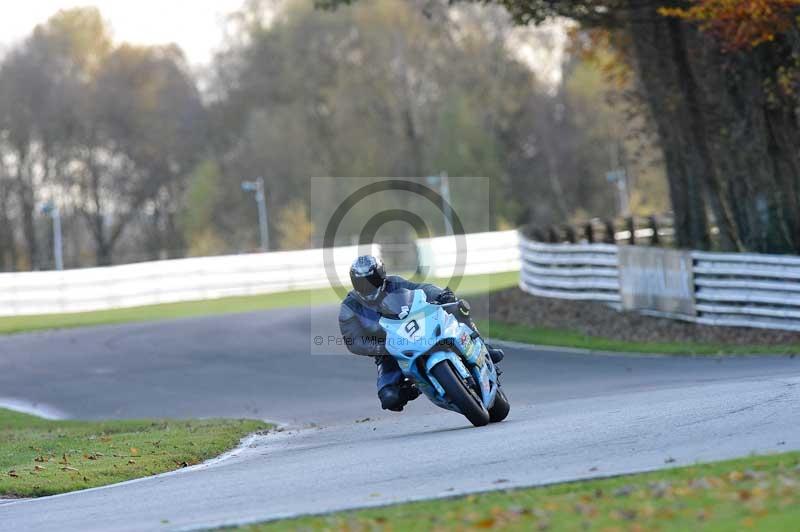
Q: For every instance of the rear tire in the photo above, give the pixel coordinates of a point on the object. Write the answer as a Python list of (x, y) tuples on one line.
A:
[(500, 408), (458, 394)]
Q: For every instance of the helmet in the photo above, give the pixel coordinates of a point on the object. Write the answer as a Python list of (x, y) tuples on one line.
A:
[(368, 277)]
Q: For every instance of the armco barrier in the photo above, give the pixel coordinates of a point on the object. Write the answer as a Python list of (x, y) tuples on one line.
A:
[(747, 290), (570, 271), (168, 281), (730, 289)]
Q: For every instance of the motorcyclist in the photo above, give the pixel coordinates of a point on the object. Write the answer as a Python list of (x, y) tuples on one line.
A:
[(358, 322)]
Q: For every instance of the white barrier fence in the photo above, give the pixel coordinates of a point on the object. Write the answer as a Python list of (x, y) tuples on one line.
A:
[(730, 289), (747, 290), (478, 253), (570, 271), (169, 281)]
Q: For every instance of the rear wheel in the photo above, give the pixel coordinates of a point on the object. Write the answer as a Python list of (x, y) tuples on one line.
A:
[(458, 394), (500, 408)]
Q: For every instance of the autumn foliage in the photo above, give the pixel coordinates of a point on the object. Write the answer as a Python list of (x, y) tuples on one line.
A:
[(741, 24)]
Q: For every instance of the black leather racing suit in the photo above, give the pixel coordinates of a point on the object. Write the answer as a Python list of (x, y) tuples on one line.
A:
[(358, 322)]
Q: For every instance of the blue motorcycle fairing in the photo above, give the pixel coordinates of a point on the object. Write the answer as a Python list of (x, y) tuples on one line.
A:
[(415, 327)]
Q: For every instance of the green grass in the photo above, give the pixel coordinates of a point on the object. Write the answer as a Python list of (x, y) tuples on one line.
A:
[(43, 457), (17, 324), (567, 338), (758, 493)]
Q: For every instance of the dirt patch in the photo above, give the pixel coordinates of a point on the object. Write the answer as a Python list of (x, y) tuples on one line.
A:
[(596, 319)]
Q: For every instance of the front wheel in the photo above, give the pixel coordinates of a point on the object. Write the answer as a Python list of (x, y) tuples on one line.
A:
[(500, 408), (457, 393)]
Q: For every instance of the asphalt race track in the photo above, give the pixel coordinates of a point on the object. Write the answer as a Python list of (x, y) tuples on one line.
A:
[(573, 416)]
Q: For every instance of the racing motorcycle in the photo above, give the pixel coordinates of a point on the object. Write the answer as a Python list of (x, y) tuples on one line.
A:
[(443, 357)]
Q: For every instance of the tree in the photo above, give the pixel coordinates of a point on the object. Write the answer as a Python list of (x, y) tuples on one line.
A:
[(741, 24), (390, 88), (199, 206), (39, 83), (142, 134), (720, 79), (295, 229), (8, 247), (111, 131)]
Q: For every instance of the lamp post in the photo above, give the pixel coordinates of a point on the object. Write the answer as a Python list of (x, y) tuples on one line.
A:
[(443, 180), (257, 188), (51, 209)]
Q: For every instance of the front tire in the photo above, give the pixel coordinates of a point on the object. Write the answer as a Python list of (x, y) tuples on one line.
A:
[(456, 391), (500, 408)]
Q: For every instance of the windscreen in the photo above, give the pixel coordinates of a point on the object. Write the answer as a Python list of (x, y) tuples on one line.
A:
[(397, 304)]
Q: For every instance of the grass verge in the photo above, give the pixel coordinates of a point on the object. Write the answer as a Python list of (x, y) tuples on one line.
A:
[(42, 457), (759, 493), (17, 324), (566, 338)]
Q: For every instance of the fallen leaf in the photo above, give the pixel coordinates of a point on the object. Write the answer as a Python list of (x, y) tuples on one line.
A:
[(134, 451), (38, 468), (488, 522), (68, 468)]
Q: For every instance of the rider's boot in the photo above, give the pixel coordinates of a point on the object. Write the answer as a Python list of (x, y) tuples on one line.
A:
[(495, 353), (394, 390), (391, 399), (395, 397)]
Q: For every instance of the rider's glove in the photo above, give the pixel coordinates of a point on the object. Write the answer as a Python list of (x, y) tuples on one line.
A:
[(447, 296)]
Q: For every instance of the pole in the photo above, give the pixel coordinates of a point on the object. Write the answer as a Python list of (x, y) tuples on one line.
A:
[(445, 191), (51, 209), (257, 188), (58, 252), (263, 223)]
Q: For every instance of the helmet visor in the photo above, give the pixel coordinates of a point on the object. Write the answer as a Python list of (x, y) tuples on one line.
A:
[(369, 286)]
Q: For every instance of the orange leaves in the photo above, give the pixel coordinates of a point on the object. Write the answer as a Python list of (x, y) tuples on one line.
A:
[(741, 23)]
